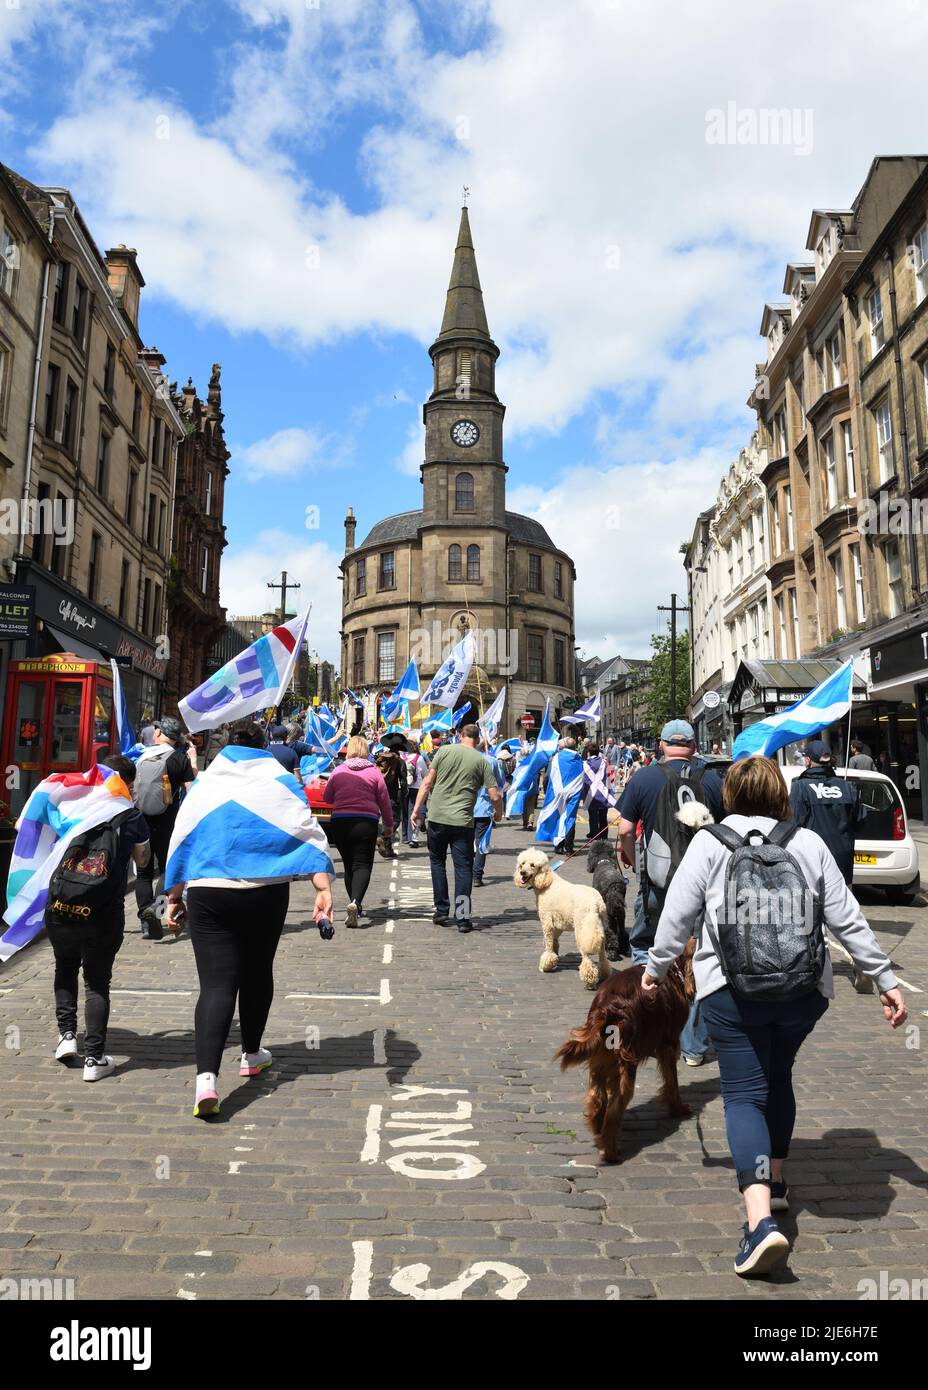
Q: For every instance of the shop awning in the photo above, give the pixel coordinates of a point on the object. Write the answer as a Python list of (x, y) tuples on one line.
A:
[(68, 643), (759, 683)]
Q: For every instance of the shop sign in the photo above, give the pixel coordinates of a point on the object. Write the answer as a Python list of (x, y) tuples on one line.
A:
[(901, 656), (142, 658), (17, 612)]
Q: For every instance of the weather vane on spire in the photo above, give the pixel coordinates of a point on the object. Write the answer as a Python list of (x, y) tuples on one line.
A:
[(466, 194)]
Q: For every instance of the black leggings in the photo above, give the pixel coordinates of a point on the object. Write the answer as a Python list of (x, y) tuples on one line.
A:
[(234, 932), (355, 838), (95, 949)]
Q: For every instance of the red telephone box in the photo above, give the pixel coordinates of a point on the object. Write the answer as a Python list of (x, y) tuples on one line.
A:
[(59, 718)]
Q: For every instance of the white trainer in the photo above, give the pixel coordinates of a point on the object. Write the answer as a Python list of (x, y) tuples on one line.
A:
[(67, 1047), (255, 1062), (95, 1068)]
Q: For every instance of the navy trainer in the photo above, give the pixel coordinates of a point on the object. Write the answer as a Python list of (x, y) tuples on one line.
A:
[(762, 1249)]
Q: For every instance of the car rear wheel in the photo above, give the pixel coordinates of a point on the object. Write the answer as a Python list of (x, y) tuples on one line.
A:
[(901, 896)]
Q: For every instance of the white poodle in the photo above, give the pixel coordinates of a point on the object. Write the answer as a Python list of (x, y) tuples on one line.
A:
[(564, 906)]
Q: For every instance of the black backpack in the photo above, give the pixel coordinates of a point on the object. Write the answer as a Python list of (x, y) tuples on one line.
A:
[(771, 942), (669, 839), (88, 883)]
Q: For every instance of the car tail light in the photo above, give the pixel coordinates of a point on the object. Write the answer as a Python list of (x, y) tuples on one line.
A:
[(898, 824)]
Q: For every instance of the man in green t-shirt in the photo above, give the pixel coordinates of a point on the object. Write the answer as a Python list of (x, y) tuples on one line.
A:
[(454, 781)]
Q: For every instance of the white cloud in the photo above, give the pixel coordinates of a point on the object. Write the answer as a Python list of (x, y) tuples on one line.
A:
[(624, 525), (412, 457), (247, 570), (607, 227), (289, 452)]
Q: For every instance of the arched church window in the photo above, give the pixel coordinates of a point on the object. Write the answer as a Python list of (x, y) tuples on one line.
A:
[(454, 562), (464, 492), (473, 562)]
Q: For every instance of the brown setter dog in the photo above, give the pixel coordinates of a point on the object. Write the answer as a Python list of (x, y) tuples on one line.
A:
[(622, 1030)]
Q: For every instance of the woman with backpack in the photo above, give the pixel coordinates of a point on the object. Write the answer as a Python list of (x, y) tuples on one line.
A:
[(760, 892)]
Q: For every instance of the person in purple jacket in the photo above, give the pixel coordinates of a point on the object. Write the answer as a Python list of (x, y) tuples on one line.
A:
[(359, 799)]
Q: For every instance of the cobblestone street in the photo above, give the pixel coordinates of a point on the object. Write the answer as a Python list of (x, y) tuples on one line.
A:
[(414, 1138)]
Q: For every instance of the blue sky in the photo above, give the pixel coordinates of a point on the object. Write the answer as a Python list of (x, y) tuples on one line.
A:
[(290, 174)]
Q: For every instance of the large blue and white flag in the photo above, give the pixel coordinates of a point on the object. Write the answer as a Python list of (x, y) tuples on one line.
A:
[(451, 677), (439, 723), (590, 711), (525, 779), (128, 744), (407, 688), (318, 736), (829, 701), (254, 680), (558, 814), (328, 720), (245, 817), (489, 723)]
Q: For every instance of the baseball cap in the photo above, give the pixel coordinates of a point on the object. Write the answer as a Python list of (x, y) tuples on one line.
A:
[(171, 728), (818, 751), (678, 731)]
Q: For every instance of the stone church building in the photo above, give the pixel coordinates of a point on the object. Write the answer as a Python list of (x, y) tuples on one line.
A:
[(420, 579)]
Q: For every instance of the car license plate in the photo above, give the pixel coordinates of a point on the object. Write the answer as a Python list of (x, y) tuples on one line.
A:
[(865, 859)]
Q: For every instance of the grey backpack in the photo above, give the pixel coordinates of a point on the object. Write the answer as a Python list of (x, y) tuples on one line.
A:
[(152, 792), (771, 941)]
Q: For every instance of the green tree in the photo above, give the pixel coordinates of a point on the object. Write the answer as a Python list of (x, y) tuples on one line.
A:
[(660, 705)]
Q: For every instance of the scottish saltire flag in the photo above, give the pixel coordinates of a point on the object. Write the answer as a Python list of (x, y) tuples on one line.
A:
[(62, 807), (459, 715), (547, 739), (513, 744), (402, 722), (354, 699), (254, 680), (407, 688), (128, 744), (596, 787), (525, 780), (589, 711), (313, 765), (316, 735), (451, 677), (829, 701), (245, 817), (489, 723), (439, 723), (558, 814)]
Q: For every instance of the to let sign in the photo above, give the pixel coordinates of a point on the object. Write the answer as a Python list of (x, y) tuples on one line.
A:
[(17, 612)]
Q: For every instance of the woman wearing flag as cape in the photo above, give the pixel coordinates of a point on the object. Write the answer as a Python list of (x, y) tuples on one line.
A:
[(242, 834)]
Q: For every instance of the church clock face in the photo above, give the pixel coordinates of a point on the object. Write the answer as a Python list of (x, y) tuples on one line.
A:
[(465, 433)]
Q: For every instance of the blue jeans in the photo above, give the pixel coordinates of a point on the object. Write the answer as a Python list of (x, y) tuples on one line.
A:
[(756, 1042), (644, 930), (694, 1040), (460, 840)]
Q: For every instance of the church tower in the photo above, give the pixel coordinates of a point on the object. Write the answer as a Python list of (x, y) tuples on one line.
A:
[(463, 476)]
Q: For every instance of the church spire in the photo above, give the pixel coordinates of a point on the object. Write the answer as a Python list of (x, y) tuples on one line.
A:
[(465, 316)]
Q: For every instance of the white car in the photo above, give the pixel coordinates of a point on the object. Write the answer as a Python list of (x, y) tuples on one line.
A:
[(885, 855)]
